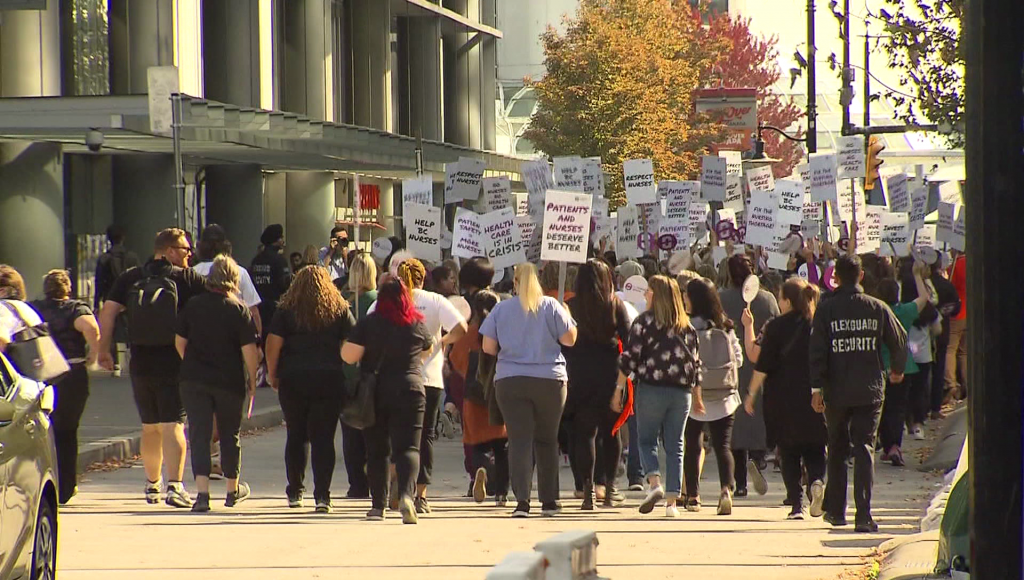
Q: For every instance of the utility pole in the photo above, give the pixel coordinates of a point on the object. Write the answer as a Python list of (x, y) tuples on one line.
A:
[(867, 78), (846, 94), (812, 89)]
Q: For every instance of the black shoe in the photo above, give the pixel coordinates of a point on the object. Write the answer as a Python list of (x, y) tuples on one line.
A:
[(740, 492), (238, 496), (787, 502), (868, 527), (202, 503), (588, 498), (550, 509), (522, 510), (834, 521), (295, 501), (375, 515), (796, 513), (422, 505)]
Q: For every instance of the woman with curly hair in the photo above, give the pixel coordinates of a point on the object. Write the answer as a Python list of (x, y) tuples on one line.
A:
[(393, 342), (305, 368)]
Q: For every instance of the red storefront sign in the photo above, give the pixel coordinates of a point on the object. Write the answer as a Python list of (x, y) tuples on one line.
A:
[(369, 196), (736, 108)]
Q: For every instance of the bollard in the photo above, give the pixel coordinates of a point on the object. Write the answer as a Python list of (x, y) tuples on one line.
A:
[(571, 555), (520, 566)]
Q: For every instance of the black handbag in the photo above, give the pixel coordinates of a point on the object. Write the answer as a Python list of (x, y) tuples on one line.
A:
[(358, 409), (34, 352)]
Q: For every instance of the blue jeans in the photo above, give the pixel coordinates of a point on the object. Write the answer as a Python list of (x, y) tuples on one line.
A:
[(662, 410), (633, 471)]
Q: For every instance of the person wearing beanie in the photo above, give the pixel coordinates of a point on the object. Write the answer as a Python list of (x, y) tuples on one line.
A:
[(270, 270)]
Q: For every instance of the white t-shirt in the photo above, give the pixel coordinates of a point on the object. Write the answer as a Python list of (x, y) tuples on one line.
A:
[(438, 313), (247, 292), (638, 308), (10, 324)]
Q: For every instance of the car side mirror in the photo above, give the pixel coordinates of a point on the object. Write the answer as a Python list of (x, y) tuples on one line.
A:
[(6, 412), (48, 399)]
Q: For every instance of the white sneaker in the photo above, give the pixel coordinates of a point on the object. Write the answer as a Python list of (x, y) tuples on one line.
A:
[(177, 495), (918, 433), (653, 497), (671, 511), (817, 498)]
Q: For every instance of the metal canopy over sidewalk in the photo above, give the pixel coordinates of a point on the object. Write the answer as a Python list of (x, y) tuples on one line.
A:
[(218, 133)]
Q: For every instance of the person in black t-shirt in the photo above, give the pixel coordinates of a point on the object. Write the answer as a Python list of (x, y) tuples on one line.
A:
[(271, 273), (77, 333), (393, 342), (304, 366), (216, 338), (154, 368)]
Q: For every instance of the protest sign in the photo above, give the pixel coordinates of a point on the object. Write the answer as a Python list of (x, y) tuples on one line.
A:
[(417, 190), (897, 188), (497, 193), (804, 170), (791, 201), (895, 239), (537, 176), (627, 232), (603, 231), (823, 177), (649, 215), (733, 162), (673, 233), (734, 193), (949, 192), (760, 219), (381, 249), (725, 224), (599, 207), (697, 222), (918, 207), (810, 228), (712, 178), (593, 176), (466, 239), (568, 173), (638, 176), (521, 202), (462, 179), (778, 261), (850, 157), (760, 180), (566, 226), (945, 226), (925, 236), (677, 196), (423, 232), (502, 241), (530, 235), (872, 228), (958, 241)]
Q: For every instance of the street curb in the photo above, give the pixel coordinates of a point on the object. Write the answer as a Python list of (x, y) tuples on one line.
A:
[(127, 446)]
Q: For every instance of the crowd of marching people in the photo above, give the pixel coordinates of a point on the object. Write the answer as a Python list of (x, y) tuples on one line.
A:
[(797, 370)]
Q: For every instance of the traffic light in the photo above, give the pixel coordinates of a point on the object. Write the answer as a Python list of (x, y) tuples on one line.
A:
[(875, 146)]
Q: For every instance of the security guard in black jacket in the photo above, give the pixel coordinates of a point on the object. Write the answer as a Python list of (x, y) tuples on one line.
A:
[(848, 384)]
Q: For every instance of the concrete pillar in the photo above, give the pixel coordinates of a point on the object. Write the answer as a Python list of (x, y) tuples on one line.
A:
[(462, 81), (488, 79), (234, 199), (231, 50), (141, 36), (275, 210), (90, 193), (145, 200), (31, 174), (371, 63), (426, 112), (308, 86), (309, 203)]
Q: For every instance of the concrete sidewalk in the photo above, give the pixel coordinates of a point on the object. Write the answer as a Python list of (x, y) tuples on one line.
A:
[(110, 428)]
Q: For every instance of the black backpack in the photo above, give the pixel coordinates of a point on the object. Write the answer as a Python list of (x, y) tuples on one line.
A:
[(152, 311)]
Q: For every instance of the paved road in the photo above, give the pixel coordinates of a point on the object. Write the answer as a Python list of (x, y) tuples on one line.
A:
[(109, 532)]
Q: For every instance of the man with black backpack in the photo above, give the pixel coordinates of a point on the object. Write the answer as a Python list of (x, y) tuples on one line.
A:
[(152, 296), (109, 266)]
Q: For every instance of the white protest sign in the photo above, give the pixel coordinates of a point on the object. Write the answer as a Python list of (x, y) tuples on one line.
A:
[(897, 188), (604, 231), (502, 241), (842, 209), (423, 232), (850, 157), (417, 190), (918, 207), (600, 207), (537, 176), (895, 240), (712, 178), (462, 179), (760, 219), (949, 192), (634, 289), (568, 173), (638, 176), (521, 203), (497, 193), (810, 228), (823, 177), (698, 222), (778, 261), (466, 235), (530, 236), (734, 193), (593, 176), (791, 201), (677, 196), (733, 162), (872, 229), (804, 170), (649, 215), (627, 232), (679, 231), (947, 230), (960, 230), (760, 180), (725, 221), (566, 226), (925, 237)]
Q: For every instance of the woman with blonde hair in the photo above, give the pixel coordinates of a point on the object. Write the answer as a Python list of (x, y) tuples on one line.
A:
[(527, 333), (305, 368), (361, 293), (662, 354), (74, 327), (216, 339)]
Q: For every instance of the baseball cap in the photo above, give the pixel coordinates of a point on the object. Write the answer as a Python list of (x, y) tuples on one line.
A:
[(629, 268)]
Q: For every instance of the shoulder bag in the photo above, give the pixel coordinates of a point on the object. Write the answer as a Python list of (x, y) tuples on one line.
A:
[(34, 352), (358, 410)]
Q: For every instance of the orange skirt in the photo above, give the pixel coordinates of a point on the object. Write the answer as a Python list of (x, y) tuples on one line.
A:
[(476, 425)]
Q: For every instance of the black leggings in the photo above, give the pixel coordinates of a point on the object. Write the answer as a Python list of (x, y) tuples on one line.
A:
[(430, 416), (72, 393), (311, 412), (497, 479), (920, 394), (894, 413), (202, 403), (813, 460), (591, 432), (353, 445), (396, 432), (693, 441)]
